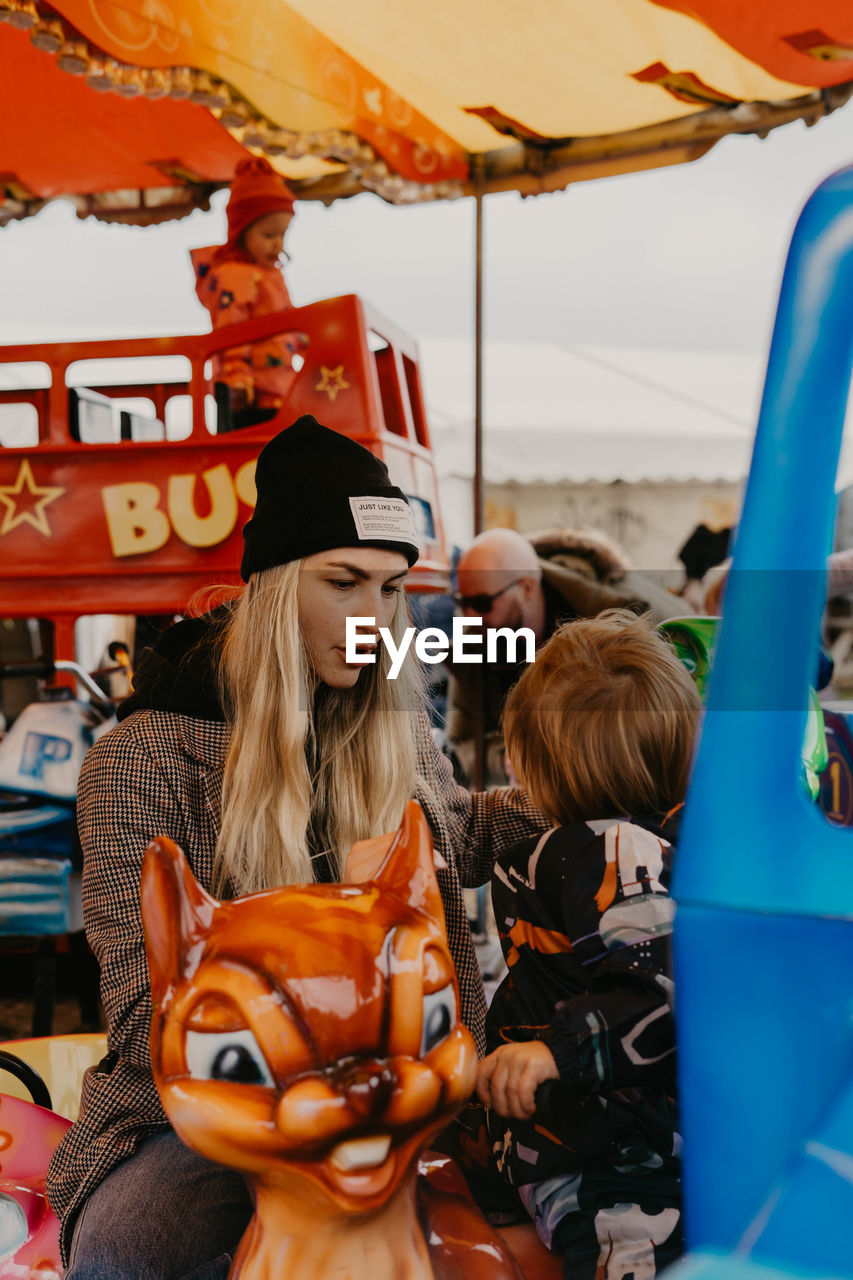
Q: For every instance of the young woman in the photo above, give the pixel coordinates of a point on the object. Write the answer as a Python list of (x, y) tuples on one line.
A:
[(254, 744)]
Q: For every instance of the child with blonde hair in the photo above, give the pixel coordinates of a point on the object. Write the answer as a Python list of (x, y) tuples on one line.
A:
[(600, 731), (242, 280)]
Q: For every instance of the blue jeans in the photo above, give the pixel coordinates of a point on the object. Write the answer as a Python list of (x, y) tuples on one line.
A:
[(165, 1213)]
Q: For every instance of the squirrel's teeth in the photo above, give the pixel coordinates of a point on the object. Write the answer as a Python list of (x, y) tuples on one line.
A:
[(361, 1153)]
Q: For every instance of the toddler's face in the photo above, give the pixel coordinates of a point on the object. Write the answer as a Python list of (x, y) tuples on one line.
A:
[(264, 239)]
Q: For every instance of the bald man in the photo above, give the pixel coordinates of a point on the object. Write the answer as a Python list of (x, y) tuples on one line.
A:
[(499, 579), (502, 579)]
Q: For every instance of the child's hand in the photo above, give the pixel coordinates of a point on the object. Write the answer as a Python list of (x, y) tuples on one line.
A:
[(508, 1078)]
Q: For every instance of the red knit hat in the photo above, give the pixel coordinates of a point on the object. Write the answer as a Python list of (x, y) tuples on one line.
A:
[(255, 191)]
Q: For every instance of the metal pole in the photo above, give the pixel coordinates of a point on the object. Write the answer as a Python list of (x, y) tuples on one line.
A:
[(478, 362), (478, 707)]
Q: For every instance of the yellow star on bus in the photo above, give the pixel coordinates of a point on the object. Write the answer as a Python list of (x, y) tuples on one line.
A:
[(19, 507), (332, 381)]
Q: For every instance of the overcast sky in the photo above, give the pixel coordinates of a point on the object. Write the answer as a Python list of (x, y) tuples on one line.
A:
[(688, 257)]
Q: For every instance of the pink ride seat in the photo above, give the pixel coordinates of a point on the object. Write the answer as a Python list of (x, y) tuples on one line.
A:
[(29, 1232)]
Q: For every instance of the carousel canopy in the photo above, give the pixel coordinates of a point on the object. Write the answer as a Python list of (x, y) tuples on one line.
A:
[(138, 109)]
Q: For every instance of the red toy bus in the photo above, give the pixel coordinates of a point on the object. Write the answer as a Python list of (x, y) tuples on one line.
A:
[(105, 509)]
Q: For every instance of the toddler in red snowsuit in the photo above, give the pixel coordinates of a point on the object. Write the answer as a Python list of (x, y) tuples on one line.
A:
[(241, 280)]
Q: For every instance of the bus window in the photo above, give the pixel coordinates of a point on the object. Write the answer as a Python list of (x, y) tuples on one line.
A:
[(135, 371), (23, 391), (138, 419), (19, 425), (422, 516), (31, 375), (416, 402), (389, 386), (179, 417), (92, 418)]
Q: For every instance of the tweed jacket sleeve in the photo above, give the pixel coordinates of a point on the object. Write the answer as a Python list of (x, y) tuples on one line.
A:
[(155, 774), (124, 800), (472, 830)]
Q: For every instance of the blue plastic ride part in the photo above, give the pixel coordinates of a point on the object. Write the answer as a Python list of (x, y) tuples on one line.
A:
[(764, 884)]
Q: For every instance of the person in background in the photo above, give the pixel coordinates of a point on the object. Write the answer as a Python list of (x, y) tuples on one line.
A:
[(242, 280), (839, 581), (601, 731), (704, 549), (538, 581)]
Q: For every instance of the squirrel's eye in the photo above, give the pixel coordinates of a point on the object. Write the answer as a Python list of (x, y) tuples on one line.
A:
[(439, 1017), (233, 1056)]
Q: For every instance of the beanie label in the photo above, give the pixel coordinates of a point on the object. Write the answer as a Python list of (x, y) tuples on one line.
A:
[(383, 520)]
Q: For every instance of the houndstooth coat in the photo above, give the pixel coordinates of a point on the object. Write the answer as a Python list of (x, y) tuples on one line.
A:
[(159, 772)]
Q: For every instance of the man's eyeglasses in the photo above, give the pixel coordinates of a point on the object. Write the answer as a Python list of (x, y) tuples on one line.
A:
[(482, 603)]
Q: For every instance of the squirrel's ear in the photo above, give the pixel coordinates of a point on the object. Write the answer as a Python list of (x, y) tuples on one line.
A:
[(409, 867), (176, 912)]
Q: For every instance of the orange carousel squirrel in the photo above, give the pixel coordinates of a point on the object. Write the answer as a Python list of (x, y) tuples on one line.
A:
[(310, 1037)]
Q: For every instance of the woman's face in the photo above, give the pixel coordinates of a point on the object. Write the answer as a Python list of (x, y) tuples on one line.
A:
[(362, 582)]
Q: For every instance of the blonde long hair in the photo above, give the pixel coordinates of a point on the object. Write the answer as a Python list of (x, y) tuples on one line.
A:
[(309, 769)]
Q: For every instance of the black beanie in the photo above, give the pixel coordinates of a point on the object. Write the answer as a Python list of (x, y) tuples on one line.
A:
[(319, 489)]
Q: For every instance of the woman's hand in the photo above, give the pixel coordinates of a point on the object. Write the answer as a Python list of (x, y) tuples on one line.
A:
[(508, 1078)]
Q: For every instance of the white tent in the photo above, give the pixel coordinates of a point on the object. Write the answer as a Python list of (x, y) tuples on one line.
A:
[(675, 426), (555, 412)]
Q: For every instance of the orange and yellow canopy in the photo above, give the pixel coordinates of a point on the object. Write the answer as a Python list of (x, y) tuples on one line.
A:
[(140, 108)]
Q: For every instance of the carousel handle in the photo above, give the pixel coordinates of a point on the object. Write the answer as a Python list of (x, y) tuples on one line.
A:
[(28, 1077)]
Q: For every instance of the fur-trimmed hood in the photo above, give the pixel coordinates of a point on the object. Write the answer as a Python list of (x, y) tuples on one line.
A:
[(576, 548)]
